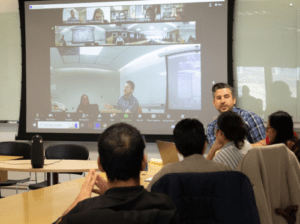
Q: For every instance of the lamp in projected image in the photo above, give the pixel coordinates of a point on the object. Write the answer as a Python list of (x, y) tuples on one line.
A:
[(90, 50)]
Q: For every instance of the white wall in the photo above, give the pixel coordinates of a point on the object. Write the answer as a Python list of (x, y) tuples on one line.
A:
[(10, 63), (100, 86), (149, 77)]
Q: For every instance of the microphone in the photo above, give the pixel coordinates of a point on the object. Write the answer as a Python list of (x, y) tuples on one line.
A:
[(37, 152)]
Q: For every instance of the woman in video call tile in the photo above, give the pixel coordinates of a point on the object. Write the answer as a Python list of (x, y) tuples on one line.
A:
[(84, 106), (99, 16)]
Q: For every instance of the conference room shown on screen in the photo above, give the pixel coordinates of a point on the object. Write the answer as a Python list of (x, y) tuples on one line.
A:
[(90, 65)]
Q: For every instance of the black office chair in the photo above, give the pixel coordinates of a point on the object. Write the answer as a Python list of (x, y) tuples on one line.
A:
[(64, 151), (216, 197), (15, 149)]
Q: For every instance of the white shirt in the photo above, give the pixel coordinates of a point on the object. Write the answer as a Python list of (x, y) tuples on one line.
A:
[(231, 155)]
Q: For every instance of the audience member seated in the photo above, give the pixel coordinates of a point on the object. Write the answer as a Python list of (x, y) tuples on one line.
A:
[(230, 140), (190, 141), (85, 107), (123, 200), (280, 129)]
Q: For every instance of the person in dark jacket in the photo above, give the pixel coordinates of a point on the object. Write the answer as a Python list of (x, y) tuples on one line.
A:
[(123, 199)]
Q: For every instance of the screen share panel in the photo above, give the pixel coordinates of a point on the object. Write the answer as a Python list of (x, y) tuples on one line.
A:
[(90, 65)]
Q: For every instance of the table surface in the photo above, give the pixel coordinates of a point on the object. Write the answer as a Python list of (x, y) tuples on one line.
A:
[(5, 158), (52, 165), (47, 204)]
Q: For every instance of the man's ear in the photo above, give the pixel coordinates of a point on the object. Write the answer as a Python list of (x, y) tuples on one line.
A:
[(214, 102), (99, 165), (234, 100), (144, 163)]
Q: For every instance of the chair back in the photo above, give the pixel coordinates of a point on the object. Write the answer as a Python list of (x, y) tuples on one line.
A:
[(67, 151), (217, 197), (16, 149), (274, 172)]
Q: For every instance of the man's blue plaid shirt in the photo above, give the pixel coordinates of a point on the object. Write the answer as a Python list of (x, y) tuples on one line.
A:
[(254, 125), (130, 103)]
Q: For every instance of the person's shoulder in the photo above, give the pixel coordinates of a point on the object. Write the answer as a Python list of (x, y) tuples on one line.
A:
[(169, 168), (158, 197), (121, 97), (216, 162), (242, 112), (134, 98), (89, 203), (212, 124), (246, 114)]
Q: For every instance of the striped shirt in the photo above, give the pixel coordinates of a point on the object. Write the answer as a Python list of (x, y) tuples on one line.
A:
[(254, 125), (230, 155)]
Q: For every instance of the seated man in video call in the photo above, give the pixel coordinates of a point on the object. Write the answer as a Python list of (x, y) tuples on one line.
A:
[(126, 103), (223, 101), (123, 199), (72, 19)]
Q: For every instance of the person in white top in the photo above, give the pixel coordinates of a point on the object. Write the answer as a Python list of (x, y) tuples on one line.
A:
[(230, 140)]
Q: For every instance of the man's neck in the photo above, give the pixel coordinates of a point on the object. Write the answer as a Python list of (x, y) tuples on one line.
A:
[(120, 183), (127, 95)]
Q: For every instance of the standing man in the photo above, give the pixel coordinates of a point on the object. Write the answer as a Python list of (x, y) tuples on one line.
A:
[(223, 101), (62, 41), (126, 103)]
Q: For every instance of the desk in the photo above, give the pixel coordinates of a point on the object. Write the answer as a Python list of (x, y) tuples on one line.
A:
[(3, 174), (47, 204), (5, 158), (50, 166)]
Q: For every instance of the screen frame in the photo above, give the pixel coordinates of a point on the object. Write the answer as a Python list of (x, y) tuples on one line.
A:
[(24, 135)]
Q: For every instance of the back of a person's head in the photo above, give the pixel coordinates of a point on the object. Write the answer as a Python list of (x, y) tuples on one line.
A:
[(233, 127), (121, 149), (282, 122), (189, 137)]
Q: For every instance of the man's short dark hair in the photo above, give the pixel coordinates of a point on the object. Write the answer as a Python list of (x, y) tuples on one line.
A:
[(189, 136), (121, 149), (222, 85), (131, 84)]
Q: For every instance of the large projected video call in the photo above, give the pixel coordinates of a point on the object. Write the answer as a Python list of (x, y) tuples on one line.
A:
[(90, 65)]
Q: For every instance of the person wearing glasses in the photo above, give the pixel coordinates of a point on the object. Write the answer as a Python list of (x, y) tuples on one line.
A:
[(280, 129)]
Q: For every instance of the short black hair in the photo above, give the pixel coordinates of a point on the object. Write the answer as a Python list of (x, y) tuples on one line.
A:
[(121, 149), (131, 84), (189, 137), (233, 127), (222, 85)]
